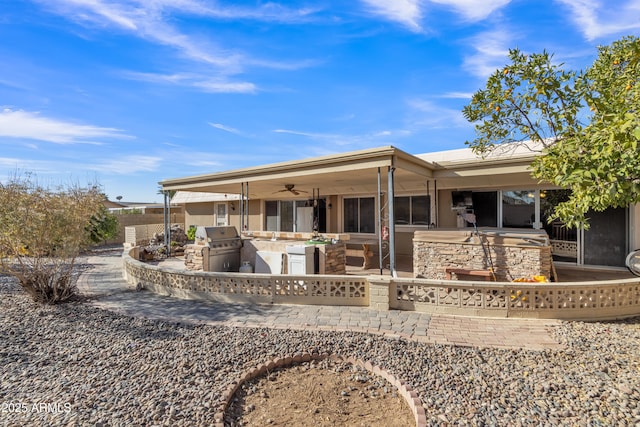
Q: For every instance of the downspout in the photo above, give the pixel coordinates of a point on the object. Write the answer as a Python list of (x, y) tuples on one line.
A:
[(392, 222)]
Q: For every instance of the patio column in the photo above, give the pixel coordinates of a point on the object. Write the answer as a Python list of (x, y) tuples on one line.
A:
[(241, 207), (167, 223), (392, 223), (380, 223), (246, 206)]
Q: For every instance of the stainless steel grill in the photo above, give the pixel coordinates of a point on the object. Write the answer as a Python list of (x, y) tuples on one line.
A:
[(224, 246)]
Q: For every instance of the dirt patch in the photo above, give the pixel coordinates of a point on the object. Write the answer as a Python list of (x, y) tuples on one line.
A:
[(319, 393)]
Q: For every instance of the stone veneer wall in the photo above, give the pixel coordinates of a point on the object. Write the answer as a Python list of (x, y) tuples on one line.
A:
[(511, 258), (332, 259), (194, 257)]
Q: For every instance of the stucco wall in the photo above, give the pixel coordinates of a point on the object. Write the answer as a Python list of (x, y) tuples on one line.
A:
[(199, 214)]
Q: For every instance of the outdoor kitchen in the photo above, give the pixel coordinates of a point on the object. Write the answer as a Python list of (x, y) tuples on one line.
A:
[(223, 249)]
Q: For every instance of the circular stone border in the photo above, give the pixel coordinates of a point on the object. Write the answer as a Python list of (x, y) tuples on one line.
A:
[(410, 396)]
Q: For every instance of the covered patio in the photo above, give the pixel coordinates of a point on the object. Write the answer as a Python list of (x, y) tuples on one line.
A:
[(381, 172)]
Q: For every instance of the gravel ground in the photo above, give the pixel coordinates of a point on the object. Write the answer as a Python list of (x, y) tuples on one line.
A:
[(74, 364)]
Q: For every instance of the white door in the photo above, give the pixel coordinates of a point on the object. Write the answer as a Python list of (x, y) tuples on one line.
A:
[(221, 214)]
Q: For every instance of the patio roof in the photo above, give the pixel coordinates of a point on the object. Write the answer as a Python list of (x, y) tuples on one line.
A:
[(340, 174)]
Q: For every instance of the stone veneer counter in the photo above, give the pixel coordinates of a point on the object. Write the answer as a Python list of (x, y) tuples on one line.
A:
[(513, 253)]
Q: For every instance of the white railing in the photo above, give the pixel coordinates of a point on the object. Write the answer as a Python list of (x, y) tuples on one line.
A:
[(572, 301)]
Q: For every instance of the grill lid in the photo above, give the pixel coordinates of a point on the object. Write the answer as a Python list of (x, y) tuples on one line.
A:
[(212, 235)]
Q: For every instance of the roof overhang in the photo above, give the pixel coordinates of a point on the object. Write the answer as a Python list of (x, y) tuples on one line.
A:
[(462, 168), (341, 174)]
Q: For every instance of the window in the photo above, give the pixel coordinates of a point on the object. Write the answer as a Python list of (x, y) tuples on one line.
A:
[(485, 208), (221, 214), (412, 210), (271, 215), (518, 208), (288, 215), (359, 215)]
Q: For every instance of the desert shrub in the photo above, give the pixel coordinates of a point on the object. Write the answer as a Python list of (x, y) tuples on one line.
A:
[(103, 225), (42, 231)]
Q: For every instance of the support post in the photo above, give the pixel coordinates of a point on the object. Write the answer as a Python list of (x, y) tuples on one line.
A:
[(380, 255), (246, 207), (242, 207), (164, 219), (167, 223), (392, 222)]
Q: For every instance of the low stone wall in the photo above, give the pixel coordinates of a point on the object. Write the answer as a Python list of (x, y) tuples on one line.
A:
[(602, 300), (511, 257)]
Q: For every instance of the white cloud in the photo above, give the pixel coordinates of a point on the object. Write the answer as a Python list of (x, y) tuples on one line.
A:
[(202, 82), (428, 114), (152, 20), (214, 86), (597, 18), (224, 128), (457, 95), (406, 12), (474, 10), (348, 139), (491, 53), (30, 125), (10, 162), (307, 134), (411, 12), (126, 165)]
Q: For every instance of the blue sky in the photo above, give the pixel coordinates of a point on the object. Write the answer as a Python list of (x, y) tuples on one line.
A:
[(127, 93)]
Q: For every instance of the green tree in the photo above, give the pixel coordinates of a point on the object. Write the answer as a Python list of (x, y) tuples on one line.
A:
[(42, 232), (586, 124), (103, 225)]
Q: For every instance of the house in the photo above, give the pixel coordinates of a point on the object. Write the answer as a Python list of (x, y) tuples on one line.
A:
[(384, 195)]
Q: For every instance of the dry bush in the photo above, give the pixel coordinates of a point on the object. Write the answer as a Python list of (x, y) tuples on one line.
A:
[(42, 231)]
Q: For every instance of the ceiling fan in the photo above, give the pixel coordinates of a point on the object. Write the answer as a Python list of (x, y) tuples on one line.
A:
[(289, 188)]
